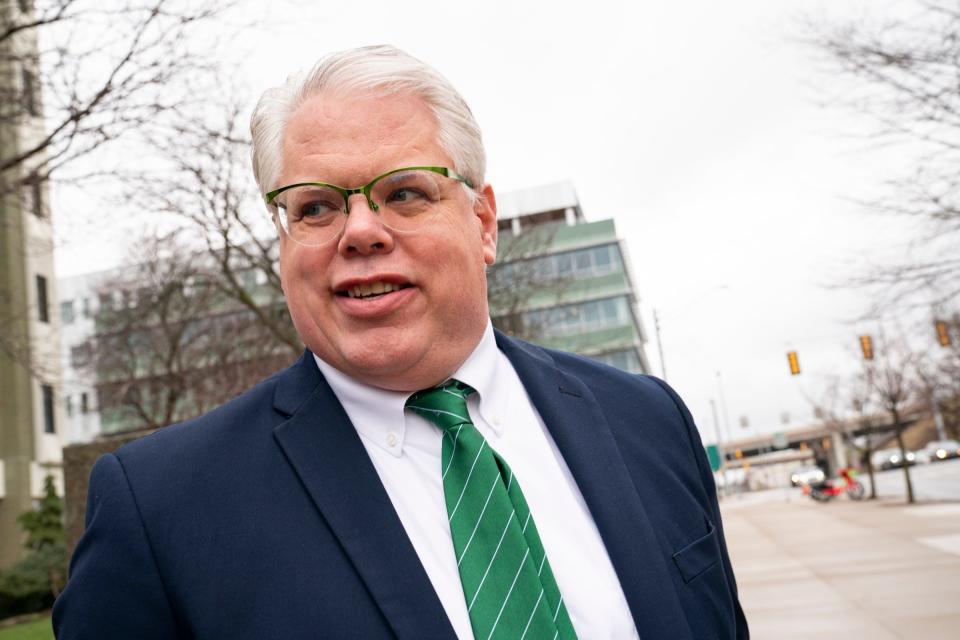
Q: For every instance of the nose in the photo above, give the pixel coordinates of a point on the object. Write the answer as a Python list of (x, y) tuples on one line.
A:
[(363, 231)]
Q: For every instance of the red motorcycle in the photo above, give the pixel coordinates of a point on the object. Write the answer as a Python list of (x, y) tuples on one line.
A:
[(827, 490)]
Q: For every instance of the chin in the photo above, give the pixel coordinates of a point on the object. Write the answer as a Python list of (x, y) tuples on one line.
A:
[(378, 357)]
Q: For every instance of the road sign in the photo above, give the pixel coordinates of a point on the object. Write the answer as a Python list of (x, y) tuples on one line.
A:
[(713, 455), (780, 440)]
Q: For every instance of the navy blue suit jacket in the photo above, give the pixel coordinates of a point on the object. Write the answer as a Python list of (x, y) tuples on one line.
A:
[(266, 518)]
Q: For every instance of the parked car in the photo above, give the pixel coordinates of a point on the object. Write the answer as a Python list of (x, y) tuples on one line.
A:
[(891, 459), (942, 450), (807, 475)]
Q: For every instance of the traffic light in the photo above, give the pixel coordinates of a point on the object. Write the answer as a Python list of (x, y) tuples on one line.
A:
[(943, 333), (866, 345), (794, 363)]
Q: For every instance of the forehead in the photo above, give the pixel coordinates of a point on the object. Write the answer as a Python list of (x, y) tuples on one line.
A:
[(352, 138)]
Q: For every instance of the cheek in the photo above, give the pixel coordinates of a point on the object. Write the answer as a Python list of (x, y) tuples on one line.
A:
[(298, 279)]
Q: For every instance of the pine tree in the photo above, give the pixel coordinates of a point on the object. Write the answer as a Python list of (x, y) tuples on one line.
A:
[(42, 574), (44, 525)]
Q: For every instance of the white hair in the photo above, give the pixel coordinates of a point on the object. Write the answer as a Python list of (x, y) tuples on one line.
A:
[(387, 70)]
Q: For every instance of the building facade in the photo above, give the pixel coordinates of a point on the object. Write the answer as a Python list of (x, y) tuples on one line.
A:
[(146, 345), (31, 415), (563, 282), (79, 303)]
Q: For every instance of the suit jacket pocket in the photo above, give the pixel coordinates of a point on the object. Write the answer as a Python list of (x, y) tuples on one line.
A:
[(699, 555)]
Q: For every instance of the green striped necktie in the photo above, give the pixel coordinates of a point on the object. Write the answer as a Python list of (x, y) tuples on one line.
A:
[(507, 582)]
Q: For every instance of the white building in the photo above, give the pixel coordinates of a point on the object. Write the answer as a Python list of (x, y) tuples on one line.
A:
[(78, 305)]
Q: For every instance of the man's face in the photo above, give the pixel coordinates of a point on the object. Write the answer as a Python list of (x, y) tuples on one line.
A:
[(416, 336)]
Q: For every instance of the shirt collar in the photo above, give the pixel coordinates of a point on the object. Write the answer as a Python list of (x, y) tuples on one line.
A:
[(481, 371), (378, 414)]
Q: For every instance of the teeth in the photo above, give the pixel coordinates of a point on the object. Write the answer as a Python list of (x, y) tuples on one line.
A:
[(372, 289)]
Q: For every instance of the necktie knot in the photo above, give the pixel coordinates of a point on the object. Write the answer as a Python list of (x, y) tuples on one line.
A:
[(444, 405)]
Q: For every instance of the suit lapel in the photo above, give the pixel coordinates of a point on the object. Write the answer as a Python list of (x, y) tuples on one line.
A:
[(579, 428), (326, 453)]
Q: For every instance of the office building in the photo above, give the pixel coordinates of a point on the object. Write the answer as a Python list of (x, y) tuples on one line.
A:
[(31, 415), (563, 282)]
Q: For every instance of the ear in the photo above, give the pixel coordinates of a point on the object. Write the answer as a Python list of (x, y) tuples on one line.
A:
[(486, 210)]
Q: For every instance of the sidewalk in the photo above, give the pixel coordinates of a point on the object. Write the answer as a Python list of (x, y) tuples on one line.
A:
[(873, 569)]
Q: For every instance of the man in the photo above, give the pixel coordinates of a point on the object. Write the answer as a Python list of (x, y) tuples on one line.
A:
[(415, 475)]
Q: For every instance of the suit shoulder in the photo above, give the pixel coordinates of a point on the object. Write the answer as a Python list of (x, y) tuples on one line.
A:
[(253, 410), (589, 370)]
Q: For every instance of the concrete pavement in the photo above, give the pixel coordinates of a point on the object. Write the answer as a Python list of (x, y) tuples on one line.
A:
[(876, 570)]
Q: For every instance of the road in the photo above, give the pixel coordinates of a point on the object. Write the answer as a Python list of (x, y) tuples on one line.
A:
[(934, 481)]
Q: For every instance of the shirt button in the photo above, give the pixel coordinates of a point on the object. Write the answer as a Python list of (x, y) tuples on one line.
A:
[(497, 420), (392, 439)]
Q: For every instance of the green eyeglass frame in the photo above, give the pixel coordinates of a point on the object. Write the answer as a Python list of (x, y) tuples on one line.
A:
[(367, 188)]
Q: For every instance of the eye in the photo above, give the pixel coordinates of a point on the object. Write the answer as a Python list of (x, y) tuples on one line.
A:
[(312, 206), (405, 194), (317, 209)]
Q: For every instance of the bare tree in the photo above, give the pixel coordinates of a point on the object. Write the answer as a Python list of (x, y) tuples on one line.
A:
[(901, 75), (92, 72), (206, 187), (862, 398), (169, 345), (833, 408), (76, 78), (889, 376), (521, 275)]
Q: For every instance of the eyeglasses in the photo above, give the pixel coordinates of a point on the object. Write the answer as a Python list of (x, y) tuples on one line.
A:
[(314, 213)]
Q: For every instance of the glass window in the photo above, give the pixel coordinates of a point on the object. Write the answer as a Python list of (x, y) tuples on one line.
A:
[(84, 403), (68, 405), (29, 96), (80, 356), (36, 190), (106, 301), (86, 307), (583, 261), (66, 311), (43, 310), (609, 310), (544, 268), (48, 423), (601, 260), (591, 313)]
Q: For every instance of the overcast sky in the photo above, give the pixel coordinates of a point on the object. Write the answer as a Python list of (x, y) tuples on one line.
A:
[(697, 126)]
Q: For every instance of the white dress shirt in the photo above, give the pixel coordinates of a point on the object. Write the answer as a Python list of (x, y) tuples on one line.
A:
[(405, 450)]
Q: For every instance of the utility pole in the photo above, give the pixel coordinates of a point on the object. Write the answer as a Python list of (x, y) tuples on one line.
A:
[(656, 327), (723, 405), (723, 454)]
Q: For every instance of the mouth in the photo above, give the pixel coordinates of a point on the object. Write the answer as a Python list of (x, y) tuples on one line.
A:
[(371, 290)]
